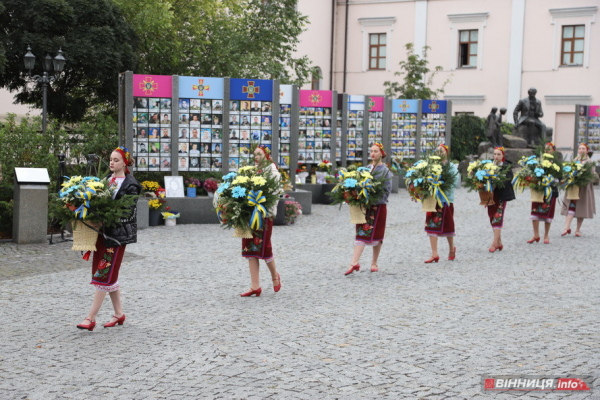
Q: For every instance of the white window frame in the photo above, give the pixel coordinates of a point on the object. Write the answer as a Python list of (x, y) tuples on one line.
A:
[(377, 25), (467, 22), (560, 17)]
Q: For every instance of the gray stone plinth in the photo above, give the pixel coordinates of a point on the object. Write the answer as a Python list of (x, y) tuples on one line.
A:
[(514, 155), (304, 198), (315, 189), (280, 218), (395, 183), (326, 188), (513, 142), (30, 216), (194, 210), (142, 213)]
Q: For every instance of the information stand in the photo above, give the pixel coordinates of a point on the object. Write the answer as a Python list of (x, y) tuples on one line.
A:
[(587, 127)]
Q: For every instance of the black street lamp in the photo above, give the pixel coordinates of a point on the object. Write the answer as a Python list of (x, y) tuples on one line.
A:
[(48, 62)]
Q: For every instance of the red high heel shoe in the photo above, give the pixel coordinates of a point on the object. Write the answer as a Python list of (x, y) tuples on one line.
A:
[(566, 232), (256, 292), (452, 254), (546, 241), (492, 248), (89, 327), (278, 287), (352, 269), (537, 239), (118, 321), (432, 259), (500, 247), (374, 268)]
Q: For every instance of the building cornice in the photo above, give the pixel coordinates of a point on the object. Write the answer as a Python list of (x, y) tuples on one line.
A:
[(377, 21), (466, 99), (573, 12), (471, 17), (561, 100)]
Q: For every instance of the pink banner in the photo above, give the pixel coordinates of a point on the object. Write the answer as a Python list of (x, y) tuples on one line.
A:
[(316, 98), (594, 111), (152, 86), (376, 104)]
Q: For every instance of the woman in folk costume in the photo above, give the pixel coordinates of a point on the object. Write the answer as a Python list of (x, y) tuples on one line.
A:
[(371, 233), (110, 247), (544, 211), (259, 247), (441, 222), (585, 207), (501, 197)]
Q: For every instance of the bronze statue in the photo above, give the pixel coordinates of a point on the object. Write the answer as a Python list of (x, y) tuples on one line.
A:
[(529, 121), (493, 124)]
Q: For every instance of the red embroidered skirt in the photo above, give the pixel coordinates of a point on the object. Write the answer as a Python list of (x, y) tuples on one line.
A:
[(373, 231), (496, 212), (260, 244), (440, 222), (543, 211), (106, 265)]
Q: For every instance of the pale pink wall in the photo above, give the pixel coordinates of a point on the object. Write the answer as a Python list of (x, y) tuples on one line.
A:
[(315, 42), (7, 106)]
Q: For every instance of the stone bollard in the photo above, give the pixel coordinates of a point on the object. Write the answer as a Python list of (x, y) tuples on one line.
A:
[(30, 217)]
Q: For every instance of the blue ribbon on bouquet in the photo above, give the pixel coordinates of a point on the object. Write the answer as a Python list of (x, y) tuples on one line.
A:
[(256, 199), (86, 195)]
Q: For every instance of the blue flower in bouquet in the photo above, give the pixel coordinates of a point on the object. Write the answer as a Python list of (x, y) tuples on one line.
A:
[(532, 160), (238, 192), (486, 161), (567, 168), (418, 181), (538, 172), (409, 173), (223, 187), (480, 174), (360, 169), (229, 176), (350, 183)]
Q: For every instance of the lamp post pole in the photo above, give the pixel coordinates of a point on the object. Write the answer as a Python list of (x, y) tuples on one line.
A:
[(58, 63)]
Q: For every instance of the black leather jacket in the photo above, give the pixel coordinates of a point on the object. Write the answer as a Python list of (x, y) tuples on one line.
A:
[(125, 233), (506, 193)]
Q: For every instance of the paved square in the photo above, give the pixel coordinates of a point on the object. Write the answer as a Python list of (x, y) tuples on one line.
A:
[(412, 330)]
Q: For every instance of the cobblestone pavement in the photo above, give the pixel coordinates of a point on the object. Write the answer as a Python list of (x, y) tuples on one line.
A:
[(412, 330)]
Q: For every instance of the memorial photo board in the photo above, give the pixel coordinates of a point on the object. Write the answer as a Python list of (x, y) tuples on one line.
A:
[(404, 128), (152, 110), (251, 116), (375, 128), (315, 122), (354, 129), (200, 129), (587, 126), (285, 124), (433, 124)]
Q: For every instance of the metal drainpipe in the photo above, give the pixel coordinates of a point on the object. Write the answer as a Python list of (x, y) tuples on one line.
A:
[(346, 47), (333, 2)]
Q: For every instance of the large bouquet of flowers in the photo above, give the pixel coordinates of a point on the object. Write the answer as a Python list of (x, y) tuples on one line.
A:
[(427, 181), (484, 176), (575, 175), (359, 189), (89, 200), (244, 197), (539, 175)]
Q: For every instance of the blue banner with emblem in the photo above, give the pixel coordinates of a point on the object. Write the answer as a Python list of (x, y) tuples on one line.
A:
[(405, 106), (195, 87), (434, 106), (251, 89)]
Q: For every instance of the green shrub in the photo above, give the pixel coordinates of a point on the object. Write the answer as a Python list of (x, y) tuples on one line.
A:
[(6, 219), (467, 132)]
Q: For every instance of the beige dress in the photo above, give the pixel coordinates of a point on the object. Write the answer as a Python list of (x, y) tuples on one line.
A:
[(586, 205)]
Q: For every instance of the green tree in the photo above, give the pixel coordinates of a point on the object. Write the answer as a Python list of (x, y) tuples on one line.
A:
[(95, 39), (415, 84), (467, 132), (235, 38)]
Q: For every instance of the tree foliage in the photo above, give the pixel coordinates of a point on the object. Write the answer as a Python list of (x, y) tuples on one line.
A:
[(234, 38), (415, 84), (94, 37), (467, 132)]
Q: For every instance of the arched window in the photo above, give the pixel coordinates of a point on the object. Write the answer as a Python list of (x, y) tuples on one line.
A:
[(317, 76)]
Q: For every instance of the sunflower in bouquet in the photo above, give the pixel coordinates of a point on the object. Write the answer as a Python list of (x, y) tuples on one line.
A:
[(357, 187), (243, 199), (539, 174), (90, 199), (430, 178), (484, 175)]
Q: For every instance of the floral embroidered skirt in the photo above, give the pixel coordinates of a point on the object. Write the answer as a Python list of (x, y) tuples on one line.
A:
[(440, 222), (496, 212), (372, 232), (106, 265), (260, 244), (543, 211)]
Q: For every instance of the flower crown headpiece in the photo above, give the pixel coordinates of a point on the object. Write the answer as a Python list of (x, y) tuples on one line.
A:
[(380, 148), (551, 144), (446, 148)]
